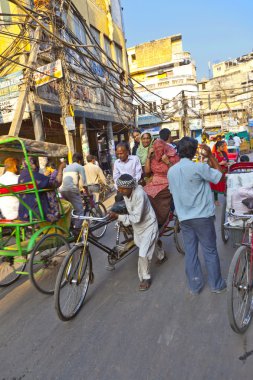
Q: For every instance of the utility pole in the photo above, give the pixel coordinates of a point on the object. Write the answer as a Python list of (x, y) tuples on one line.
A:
[(25, 87), (185, 120)]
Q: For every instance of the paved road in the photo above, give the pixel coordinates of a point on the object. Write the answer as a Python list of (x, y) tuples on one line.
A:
[(122, 334)]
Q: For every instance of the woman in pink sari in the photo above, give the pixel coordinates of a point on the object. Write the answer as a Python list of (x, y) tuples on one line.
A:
[(160, 158)]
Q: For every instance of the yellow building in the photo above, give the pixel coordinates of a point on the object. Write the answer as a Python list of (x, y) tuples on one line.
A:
[(95, 72), (164, 76)]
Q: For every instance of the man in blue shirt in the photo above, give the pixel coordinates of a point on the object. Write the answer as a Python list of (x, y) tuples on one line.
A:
[(189, 183)]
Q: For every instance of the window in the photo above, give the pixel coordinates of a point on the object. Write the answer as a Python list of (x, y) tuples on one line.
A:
[(203, 86), (79, 30), (133, 57), (96, 35), (5, 8), (119, 56), (193, 101), (108, 48)]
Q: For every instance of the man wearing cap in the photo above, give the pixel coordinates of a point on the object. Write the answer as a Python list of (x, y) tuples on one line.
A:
[(144, 222)]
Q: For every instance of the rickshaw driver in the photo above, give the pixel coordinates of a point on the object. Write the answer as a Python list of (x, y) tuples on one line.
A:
[(144, 222), (72, 174)]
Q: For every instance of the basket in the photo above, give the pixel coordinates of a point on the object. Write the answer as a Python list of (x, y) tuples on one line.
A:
[(238, 235)]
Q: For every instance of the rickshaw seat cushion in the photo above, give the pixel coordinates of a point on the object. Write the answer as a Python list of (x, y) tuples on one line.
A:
[(16, 188)]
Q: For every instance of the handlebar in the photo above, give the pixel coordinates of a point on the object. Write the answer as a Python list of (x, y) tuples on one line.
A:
[(92, 218)]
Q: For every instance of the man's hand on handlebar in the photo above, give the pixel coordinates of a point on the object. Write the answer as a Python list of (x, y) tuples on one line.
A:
[(113, 215)]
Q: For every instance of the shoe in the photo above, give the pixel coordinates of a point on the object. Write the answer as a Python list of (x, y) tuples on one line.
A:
[(221, 290), (144, 285), (161, 261)]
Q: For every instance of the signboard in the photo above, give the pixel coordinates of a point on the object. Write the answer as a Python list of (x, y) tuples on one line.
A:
[(48, 73), (9, 93), (148, 119), (250, 122), (195, 124)]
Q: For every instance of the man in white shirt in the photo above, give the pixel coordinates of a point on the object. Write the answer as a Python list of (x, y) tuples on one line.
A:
[(94, 175), (9, 204), (126, 163), (237, 141)]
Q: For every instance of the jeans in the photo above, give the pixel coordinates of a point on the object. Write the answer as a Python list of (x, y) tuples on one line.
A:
[(75, 199), (201, 231)]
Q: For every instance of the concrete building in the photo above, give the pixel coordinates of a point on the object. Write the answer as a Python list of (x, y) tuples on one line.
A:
[(227, 98), (164, 76), (91, 99)]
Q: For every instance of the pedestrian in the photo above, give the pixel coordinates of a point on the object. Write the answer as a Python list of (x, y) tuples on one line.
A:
[(94, 176), (143, 220), (222, 158), (190, 188), (126, 163), (231, 141), (237, 142), (159, 160), (137, 138)]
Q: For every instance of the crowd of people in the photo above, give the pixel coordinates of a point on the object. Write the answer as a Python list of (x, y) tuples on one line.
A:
[(151, 178)]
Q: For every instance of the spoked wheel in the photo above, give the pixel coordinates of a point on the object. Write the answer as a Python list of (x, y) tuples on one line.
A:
[(72, 282), (178, 238), (239, 301), (10, 268), (45, 261), (99, 211), (224, 231)]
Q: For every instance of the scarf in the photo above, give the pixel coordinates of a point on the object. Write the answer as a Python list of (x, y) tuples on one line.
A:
[(142, 152)]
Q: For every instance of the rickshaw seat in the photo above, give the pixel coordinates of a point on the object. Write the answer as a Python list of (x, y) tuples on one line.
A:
[(16, 188)]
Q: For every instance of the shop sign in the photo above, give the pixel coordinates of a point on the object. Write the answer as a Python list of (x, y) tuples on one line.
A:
[(195, 124), (48, 73), (250, 122), (9, 93), (148, 119)]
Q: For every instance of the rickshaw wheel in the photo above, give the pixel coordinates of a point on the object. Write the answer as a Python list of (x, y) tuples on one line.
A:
[(178, 237), (224, 231), (72, 282), (45, 261), (9, 266)]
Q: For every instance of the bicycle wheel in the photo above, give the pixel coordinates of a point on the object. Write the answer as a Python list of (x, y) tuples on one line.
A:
[(10, 268), (72, 282), (178, 239), (45, 261), (99, 211), (239, 294), (224, 231)]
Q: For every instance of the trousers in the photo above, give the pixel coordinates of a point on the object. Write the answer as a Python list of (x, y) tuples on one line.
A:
[(75, 199), (144, 263), (201, 231)]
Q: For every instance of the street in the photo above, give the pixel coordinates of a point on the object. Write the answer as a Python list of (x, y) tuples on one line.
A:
[(124, 334)]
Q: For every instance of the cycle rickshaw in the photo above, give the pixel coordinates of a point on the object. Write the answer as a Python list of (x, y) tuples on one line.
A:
[(239, 224), (36, 243), (76, 272)]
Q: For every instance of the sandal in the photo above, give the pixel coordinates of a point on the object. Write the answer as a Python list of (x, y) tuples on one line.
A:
[(161, 261), (145, 285)]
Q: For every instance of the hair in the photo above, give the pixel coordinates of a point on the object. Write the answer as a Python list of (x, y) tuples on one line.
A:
[(77, 157), (51, 165), (164, 134), (231, 137), (90, 158), (136, 130), (187, 147), (146, 133), (11, 164), (123, 144), (244, 158), (235, 134), (219, 144)]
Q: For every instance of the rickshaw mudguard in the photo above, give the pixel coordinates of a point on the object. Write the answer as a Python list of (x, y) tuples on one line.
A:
[(41, 232)]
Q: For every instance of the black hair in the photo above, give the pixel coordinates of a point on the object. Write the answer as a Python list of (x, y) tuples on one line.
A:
[(51, 165), (244, 158), (219, 143), (164, 134), (137, 130), (77, 157), (187, 147)]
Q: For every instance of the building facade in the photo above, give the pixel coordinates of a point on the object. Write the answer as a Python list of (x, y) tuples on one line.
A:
[(79, 91), (227, 98), (164, 76)]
